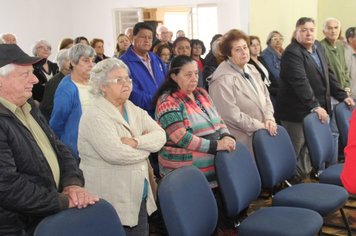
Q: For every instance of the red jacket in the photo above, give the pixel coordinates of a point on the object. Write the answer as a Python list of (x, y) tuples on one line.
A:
[(348, 175)]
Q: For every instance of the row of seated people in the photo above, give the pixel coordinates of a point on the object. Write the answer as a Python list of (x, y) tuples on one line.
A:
[(114, 136)]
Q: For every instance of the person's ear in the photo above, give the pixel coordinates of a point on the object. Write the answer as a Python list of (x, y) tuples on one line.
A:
[(174, 77)]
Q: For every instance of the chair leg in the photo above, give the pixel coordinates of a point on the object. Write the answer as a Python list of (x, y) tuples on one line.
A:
[(346, 222)]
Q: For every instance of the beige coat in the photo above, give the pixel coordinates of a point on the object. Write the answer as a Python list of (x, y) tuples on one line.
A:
[(242, 110), (113, 170)]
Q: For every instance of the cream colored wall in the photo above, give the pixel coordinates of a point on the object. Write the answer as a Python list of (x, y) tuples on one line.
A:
[(280, 15), (343, 10)]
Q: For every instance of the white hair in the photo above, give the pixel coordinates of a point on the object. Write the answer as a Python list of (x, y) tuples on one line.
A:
[(38, 43), (5, 35), (7, 69), (160, 28), (62, 57), (328, 20), (99, 73)]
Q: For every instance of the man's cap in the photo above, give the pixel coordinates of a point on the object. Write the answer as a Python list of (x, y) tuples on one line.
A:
[(350, 32), (13, 54)]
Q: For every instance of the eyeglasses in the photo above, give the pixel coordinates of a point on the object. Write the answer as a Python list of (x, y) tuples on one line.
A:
[(278, 38), (121, 80)]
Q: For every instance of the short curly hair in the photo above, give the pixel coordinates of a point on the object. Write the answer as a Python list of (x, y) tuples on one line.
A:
[(230, 37), (99, 73)]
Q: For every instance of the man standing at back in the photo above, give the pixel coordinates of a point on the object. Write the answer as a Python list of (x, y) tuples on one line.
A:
[(163, 36), (334, 50), (39, 176), (350, 57), (335, 53), (147, 70), (307, 83)]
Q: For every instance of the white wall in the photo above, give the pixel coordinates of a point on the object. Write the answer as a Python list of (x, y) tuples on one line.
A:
[(53, 20), (233, 15), (32, 20)]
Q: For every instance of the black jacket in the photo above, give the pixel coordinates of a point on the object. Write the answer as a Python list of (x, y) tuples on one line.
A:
[(27, 188), (303, 85), (38, 89), (46, 105)]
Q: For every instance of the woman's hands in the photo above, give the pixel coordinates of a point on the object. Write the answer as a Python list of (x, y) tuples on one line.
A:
[(131, 141), (271, 126), (226, 144)]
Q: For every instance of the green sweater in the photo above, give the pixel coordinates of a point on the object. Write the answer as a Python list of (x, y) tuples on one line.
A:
[(336, 57)]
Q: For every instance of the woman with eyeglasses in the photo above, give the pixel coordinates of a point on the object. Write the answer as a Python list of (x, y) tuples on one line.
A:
[(44, 70), (272, 54), (115, 139), (198, 49)]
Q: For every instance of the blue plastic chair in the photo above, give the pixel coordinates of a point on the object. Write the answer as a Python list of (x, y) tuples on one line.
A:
[(319, 140), (98, 219), (240, 184), (276, 160), (342, 117), (187, 203)]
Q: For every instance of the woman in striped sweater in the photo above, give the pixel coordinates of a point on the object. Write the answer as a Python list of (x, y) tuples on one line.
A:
[(195, 131)]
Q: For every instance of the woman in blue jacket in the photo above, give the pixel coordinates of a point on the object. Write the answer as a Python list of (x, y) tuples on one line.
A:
[(72, 96)]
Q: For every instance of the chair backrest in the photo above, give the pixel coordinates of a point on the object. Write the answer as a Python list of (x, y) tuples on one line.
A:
[(319, 140), (98, 219), (343, 116), (187, 203), (238, 179), (275, 156)]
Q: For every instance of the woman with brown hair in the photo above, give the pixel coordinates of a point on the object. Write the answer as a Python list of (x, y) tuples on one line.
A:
[(240, 96), (123, 42)]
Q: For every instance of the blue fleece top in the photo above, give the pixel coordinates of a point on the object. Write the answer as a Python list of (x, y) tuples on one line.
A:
[(144, 85), (273, 61), (66, 114)]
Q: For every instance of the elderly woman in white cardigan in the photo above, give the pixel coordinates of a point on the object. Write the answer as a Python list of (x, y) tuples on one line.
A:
[(115, 139)]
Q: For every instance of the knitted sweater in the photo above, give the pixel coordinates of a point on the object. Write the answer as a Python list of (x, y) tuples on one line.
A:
[(113, 170), (192, 134)]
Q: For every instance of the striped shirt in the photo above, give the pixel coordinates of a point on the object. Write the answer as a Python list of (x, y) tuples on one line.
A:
[(192, 134)]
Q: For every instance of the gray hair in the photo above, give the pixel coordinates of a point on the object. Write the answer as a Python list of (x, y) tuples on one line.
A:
[(7, 69), (99, 73), (37, 44), (62, 57), (1, 41), (328, 20), (80, 50)]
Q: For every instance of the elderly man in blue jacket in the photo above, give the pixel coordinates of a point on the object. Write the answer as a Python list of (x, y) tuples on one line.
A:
[(146, 68), (38, 174)]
